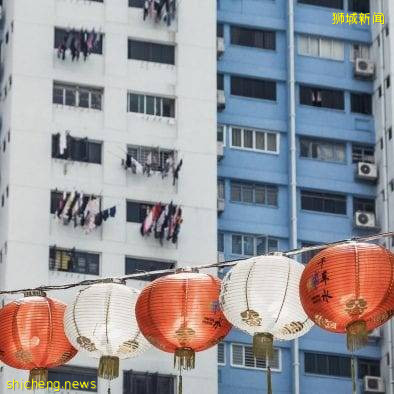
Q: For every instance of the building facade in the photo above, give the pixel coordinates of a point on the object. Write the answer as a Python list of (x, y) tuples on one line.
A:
[(103, 128), (296, 165)]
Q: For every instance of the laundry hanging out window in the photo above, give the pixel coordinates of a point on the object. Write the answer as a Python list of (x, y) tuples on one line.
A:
[(77, 149), (61, 33), (158, 156)]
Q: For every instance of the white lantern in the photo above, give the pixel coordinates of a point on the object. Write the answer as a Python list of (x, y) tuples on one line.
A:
[(101, 321), (261, 296)]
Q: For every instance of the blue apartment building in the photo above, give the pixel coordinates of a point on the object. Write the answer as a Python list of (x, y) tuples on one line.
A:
[(293, 89)]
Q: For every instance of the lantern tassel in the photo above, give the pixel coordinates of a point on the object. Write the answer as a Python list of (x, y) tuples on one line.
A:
[(356, 335), (36, 376), (108, 367), (269, 380), (185, 358), (263, 345)]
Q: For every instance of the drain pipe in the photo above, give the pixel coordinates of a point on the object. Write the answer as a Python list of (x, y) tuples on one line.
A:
[(384, 169), (292, 170)]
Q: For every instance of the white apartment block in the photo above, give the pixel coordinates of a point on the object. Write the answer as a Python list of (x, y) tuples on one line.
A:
[(383, 103), (163, 99)]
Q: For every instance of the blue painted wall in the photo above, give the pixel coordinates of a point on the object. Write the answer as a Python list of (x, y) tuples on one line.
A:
[(316, 175)]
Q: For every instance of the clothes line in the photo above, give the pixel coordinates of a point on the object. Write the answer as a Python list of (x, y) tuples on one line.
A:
[(228, 263)]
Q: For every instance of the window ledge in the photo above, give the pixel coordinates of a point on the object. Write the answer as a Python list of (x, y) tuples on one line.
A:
[(261, 100), (342, 163), (322, 58), (148, 64), (252, 204), (341, 111), (254, 150), (338, 215), (154, 118), (75, 108)]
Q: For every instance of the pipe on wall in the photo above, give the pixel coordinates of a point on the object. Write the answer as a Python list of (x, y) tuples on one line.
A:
[(293, 170)]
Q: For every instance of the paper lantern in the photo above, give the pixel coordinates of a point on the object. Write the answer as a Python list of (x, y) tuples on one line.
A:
[(32, 335), (180, 314), (349, 289), (261, 296), (101, 322)]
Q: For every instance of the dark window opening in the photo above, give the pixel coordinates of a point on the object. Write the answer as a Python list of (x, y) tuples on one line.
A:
[(139, 265), (359, 6), (71, 260), (364, 154), (324, 364), (361, 103), (61, 34), (324, 3), (368, 367), (319, 97), (323, 202), (220, 81), (136, 3), (219, 30), (364, 205), (263, 39), (65, 376), (254, 88), (151, 52), (147, 383), (136, 211)]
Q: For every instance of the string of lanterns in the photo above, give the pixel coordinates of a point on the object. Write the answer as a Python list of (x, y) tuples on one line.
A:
[(346, 288)]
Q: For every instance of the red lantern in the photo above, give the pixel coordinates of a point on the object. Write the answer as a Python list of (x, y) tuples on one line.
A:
[(32, 335), (349, 289), (180, 314)]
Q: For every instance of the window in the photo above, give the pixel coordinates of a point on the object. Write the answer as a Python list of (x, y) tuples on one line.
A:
[(324, 3), (387, 30), (321, 47), (254, 193), (220, 242), (380, 91), (151, 52), (136, 211), (263, 39), (361, 103), (363, 204), (381, 143), (249, 245), (157, 156), (79, 149), (390, 133), (359, 6), (262, 141), (368, 367), (221, 189), (220, 81), (219, 30), (254, 88), (77, 96), (61, 33), (360, 51), (323, 150), (221, 353), (308, 256), (71, 260), (388, 82), (362, 153), (324, 364), (136, 3), (242, 356), (67, 375), (221, 133), (148, 383), (151, 105), (319, 97), (323, 202), (139, 265)]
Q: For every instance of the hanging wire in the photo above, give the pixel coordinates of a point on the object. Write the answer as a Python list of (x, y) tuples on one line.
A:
[(227, 263)]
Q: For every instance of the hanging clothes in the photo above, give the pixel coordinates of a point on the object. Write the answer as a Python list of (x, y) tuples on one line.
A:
[(105, 214), (112, 212), (92, 209), (63, 143), (61, 204), (177, 227), (67, 205)]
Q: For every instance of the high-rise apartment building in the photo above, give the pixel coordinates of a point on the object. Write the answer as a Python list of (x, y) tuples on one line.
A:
[(296, 165), (109, 129)]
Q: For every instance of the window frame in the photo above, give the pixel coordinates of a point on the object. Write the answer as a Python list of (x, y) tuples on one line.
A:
[(255, 131), (311, 3), (355, 99), (333, 144), (150, 47), (254, 186), (322, 196), (319, 48), (142, 208), (166, 264), (143, 151), (74, 369), (265, 86), (99, 50), (222, 364), (362, 47), (243, 366), (223, 131), (244, 30), (326, 355), (363, 157), (77, 89), (266, 238), (156, 100), (320, 91)]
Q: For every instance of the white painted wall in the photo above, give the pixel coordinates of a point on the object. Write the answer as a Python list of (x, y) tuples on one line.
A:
[(27, 167)]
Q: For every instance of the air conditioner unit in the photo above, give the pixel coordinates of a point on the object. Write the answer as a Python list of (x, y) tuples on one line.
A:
[(220, 46), (376, 333), (220, 257), (221, 98), (364, 68), (220, 204), (220, 149), (365, 219), (373, 384), (367, 171)]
